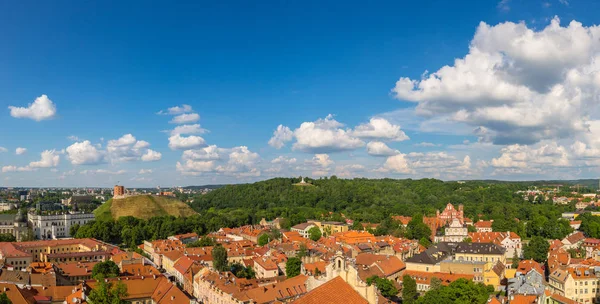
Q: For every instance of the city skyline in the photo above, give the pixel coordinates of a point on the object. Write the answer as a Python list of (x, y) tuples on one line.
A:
[(196, 94)]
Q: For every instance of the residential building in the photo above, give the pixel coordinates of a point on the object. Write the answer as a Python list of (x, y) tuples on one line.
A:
[(580, 284), (430, 259), (484, 226), (509, 240), (423, 279), (329, 228), (265, 267), (303, 229), (573, 240), (21, 254)]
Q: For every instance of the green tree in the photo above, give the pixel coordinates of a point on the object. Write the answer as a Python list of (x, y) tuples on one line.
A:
[(461, 291), (4, 299), (314, 233), (357, 226), (425, 242), (536, 250), (106, 269), (73, 229), (417, 229), (385, 286), (263, 239), (293, 267), (515, 260), (302, 251), (108, 293), (409, 290), (219, 255), (204, 241), (471, 228), (7, 237), (242, 272), (435, 283)]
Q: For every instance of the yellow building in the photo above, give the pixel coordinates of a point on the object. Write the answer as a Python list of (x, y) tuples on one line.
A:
[(429, 260), (482, 252), (494, 274), (329, 228), (580, 284)]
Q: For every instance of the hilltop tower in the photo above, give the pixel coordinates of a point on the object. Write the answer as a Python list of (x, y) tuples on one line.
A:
[(118, 191)]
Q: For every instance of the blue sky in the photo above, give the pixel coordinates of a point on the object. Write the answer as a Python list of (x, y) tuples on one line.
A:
[(102, 72)]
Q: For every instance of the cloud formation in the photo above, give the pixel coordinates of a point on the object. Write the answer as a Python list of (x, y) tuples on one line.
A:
[(518, 85), (42, 108)]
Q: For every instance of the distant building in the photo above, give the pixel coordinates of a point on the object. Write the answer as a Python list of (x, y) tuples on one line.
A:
[(303, 228), (118, 190), (456, 231), (56, 226), (15, 225)]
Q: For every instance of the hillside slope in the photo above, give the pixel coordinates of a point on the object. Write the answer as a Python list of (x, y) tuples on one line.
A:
[(143, 206)]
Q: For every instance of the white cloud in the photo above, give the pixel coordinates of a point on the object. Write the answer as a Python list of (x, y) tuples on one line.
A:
[(380, 129), (151, 155), (145, 171), (103, 171), (521, 159), (503, 5), (73, 138), (281, 135), (49, 159), (188, 129), (176, 110), (195, 167), (20, 151), (211, 152), (241, 159), (2, 149), (84, 153), (427, 144), (325, 135), (6, 169), (283, 160), (178, 142), (397, 164), (521, 85), (237, 161), (185, 118), (322, 160), (127, 148), (377, 148), (42, 108)]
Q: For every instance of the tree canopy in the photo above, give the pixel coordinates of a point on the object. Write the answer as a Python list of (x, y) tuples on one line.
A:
[(293, 267), (106, 269), (219, 255), (108, 293), (314, 233), (537, 249), (461, 291), (385, 286)]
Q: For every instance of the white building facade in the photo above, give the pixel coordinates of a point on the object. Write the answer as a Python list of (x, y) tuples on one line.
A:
[(56, 226)]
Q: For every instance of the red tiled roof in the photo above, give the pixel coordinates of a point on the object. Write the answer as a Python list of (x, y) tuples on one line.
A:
[(334, 291)]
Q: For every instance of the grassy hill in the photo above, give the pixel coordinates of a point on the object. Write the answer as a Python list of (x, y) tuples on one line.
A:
[(142, 206)]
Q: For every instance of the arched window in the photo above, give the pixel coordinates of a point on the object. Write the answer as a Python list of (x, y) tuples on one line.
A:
[(339, 263)]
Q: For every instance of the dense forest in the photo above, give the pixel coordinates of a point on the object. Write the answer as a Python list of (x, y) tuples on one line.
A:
[(371, 200), (363, 200)]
